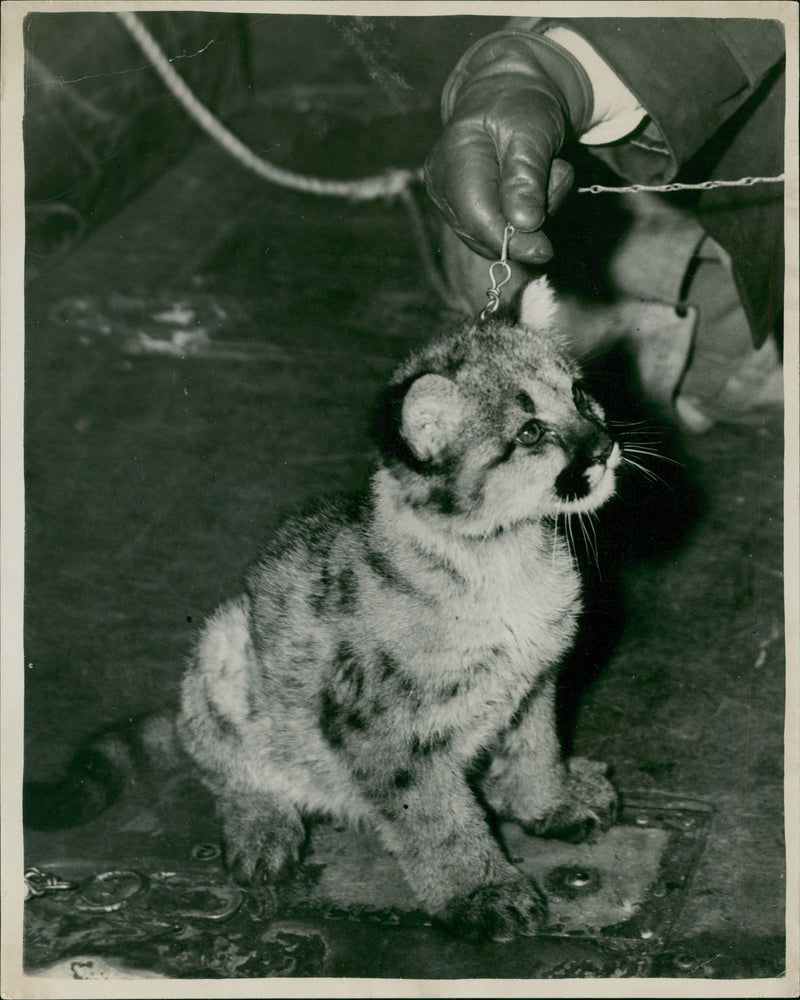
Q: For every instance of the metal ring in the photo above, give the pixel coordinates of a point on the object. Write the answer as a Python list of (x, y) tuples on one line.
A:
[(100, 897)]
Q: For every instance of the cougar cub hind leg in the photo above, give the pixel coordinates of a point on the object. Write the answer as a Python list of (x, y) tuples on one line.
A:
[(528, 780)]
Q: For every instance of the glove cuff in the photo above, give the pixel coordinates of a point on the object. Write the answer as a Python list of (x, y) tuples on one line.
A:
[(526, 54)]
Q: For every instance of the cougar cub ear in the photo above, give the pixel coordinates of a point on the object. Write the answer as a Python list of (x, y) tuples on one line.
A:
[(538, 306), (433, 410)]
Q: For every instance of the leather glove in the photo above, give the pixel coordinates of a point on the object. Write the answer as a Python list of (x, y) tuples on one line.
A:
[(508, 106)]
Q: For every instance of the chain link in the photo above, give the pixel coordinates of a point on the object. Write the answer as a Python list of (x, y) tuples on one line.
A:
[(38, 883)]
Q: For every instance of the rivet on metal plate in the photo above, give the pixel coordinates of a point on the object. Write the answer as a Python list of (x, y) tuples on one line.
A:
[(578, 878), (206, 852)]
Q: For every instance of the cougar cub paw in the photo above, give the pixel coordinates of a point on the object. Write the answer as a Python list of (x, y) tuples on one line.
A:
[(264, 865), (499, 912), (590, 804), (255, 855)]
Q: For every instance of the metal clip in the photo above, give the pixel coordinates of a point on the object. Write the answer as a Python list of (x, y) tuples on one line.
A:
[(493, 293), (37, 883)]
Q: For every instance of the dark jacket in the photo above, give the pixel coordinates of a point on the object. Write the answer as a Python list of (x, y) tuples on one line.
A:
[(714, 93)]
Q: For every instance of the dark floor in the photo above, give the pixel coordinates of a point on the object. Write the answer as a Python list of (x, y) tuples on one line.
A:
[(206, 362)]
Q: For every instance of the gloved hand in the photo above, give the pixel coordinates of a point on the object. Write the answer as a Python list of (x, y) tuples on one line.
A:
[(508, 106)]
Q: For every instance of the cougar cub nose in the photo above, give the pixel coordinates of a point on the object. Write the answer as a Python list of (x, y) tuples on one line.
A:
[(602, 447)]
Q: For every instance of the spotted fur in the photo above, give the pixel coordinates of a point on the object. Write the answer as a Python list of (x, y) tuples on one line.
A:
[(392, 643)]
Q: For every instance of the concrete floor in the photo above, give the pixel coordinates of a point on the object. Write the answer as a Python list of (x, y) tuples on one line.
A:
[(206, 362)]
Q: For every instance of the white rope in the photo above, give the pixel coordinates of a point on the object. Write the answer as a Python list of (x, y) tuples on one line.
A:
[(387, 185)]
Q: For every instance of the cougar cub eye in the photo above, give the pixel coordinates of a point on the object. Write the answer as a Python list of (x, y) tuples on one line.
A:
[(529, 433)]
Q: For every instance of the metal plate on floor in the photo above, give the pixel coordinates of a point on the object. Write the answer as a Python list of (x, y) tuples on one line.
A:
[(613, 905), (625, 886)]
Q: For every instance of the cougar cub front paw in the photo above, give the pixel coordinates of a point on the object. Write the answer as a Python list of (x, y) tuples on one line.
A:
[(498, 912), (589, 805), (260, 864), (260, 849)]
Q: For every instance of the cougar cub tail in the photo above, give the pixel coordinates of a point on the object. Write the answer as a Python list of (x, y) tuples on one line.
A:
[(100, 770)]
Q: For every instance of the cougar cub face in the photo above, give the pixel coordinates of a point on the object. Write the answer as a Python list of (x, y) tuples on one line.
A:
[(500, 429)]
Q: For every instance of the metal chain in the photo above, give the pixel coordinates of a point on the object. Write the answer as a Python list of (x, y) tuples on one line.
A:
[(702, 186), (38, 883)]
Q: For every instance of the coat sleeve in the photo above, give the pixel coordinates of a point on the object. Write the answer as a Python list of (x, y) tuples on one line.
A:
[(690, 74)]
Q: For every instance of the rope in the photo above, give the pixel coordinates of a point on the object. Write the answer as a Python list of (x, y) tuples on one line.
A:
[(391, 184), (386, 185)]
